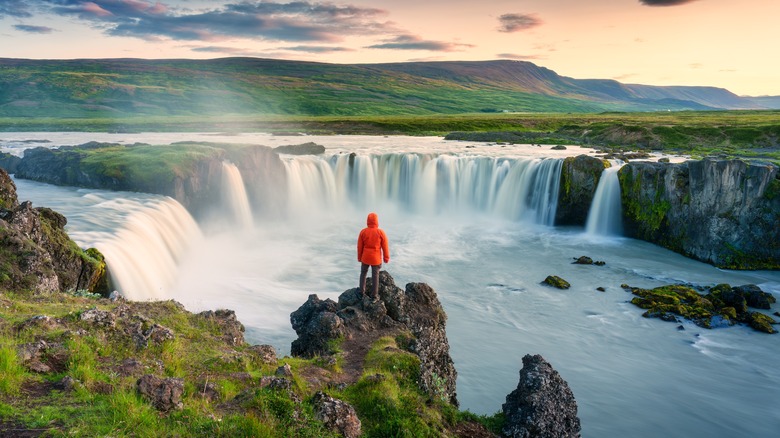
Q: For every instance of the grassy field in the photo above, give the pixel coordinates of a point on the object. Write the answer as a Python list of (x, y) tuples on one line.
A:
[(750, 134)]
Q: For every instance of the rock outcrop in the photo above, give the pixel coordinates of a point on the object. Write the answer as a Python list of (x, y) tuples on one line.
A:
[(191, 173), (542, 405), (580, 177), (37, 253), (723, 212), (415, 310)]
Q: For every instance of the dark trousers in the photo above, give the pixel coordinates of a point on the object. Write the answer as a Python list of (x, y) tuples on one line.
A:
[(374, 278)]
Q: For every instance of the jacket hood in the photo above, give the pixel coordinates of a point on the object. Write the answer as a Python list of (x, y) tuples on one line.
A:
[(372, 221)]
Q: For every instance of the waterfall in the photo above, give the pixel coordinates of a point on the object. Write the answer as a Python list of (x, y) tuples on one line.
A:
[(426, 184), (143, 255), (234, 195), (605, 217)]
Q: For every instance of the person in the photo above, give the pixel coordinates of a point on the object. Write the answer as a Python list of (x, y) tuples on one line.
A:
[(372, 249)]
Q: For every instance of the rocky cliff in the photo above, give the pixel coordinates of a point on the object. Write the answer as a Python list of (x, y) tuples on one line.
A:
[(191, 173), (414, 313), (723, 212), (36, 253), (580, 177)]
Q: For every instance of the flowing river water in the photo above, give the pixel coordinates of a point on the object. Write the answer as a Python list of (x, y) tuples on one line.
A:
[(475, 222)]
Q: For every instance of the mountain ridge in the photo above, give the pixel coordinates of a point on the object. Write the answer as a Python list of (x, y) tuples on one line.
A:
[(121, 87)]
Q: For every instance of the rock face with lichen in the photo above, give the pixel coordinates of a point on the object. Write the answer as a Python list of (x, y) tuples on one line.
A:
[(415, 310), (724, 212), (543, 405), (36, 253)]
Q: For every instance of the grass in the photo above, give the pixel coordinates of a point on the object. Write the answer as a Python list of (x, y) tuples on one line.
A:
[(105, 402)]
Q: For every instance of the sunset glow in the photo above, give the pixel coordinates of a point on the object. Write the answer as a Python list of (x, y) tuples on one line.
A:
[(717, 43)]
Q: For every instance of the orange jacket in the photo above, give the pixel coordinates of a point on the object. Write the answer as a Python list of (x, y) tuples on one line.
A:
[(372, 243)]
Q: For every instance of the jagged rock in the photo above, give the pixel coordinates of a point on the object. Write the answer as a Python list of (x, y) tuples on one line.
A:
[(415, 309), (38, 254), (555, 281), (164, 394), (337, 415), (39, 321), (583, 260), (542, 405), (99, 317), (231, 328), (722, 212), (156, 333), (265, 353), (8, 199)]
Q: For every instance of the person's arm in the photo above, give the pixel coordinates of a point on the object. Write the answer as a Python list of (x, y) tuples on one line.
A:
[(360, 246), (385, 248)]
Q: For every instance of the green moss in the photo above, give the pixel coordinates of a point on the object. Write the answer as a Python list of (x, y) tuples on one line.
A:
[(555, 281), (761, 322)]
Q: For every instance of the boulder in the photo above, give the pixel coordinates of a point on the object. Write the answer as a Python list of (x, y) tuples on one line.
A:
[(164, 394), (308, 148), (556, 281), (266, 354), (229, 326), (337, 415), (415, 309), (542, 405), (583, 260)]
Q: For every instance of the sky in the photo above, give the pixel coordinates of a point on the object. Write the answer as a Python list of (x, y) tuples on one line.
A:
[(720, 43)]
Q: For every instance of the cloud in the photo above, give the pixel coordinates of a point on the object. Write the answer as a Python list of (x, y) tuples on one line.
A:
[(317, 49), (297, 21), (413, 42), (518, 22), (19, 9), (517, 57), (665, 2), (33, 29)]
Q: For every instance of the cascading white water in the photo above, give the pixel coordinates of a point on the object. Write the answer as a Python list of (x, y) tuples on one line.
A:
[(234, 195), (143, 255), (516, 189), (605, 217)]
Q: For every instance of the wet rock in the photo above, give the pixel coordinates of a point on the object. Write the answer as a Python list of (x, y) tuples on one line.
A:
[(559, 147), (164, 394), (555, 281), (580, 177), (583, 260), (542, 405), (601, 289), (229, 326), (755, 297), (723, 305), (415, 309), (599, 263), (337, 415)]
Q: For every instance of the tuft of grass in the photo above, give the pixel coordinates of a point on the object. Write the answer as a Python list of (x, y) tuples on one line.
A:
[(12, 373)]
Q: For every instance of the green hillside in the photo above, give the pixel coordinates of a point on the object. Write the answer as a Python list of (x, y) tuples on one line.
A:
[(119, 88)]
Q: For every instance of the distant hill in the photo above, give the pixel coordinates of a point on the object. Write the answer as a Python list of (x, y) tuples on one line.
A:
[(771, 102), (132, 87)]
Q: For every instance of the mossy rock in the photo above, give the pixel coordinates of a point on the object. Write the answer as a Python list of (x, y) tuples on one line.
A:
[(723, 301), (555, 281), (761, 322)]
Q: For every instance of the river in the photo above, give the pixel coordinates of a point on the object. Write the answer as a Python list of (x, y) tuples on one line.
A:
[(485, 253)]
